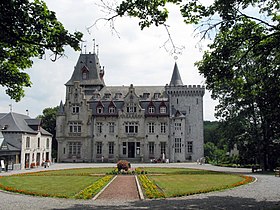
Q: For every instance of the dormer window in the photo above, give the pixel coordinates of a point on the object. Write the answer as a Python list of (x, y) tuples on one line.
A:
[(107, 95), (151, 109), (162, 110), (85, 75), (85, 72), (118, 95), (112, 109), (99, 110), (156, 95), (146, 95)]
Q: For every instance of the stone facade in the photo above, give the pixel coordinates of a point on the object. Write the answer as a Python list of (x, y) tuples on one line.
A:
[(99, 123)]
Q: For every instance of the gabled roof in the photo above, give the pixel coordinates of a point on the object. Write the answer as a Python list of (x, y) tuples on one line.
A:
[(176, 78), (14, 122)]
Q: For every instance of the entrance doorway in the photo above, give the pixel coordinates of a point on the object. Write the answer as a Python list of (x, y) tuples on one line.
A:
[(131, 149)]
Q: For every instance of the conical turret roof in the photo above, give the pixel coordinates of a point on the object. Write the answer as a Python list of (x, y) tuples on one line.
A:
[(176, 78)]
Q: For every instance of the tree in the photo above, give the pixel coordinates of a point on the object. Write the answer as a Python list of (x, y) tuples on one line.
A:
[(242, 65), (49, 124), (27, 30)]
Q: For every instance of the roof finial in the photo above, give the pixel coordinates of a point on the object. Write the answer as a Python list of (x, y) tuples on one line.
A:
[(11, 107), (93, 46), (97, 49)]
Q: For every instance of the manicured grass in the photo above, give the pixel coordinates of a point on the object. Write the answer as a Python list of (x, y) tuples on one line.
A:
[(67, 186), (74, 172), (186, 184), (176, 171)]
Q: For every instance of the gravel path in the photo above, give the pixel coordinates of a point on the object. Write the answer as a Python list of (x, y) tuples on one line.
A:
[(264, 193), (123, 188)]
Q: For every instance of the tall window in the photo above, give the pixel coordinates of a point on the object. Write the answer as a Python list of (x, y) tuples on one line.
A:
[(131, 127), (38, 144), (178, 145), (162, 109), (111, 148), (151, 127), (151, 109), (190, 146), (124, 148), (151, 148), (137, 148), (112, 109), (75, 127), (48, 143), (75, 148), (111, 127), (27, 142), (99, 127), (99, 148), (162, 127), (178, 126), (163, 148)]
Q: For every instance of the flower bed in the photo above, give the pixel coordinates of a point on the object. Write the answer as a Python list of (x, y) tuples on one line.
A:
[(150, 189), (93, 189)]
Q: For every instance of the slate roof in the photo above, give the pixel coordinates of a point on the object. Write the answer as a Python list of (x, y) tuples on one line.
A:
[(139, 90), (91, 63), (176, 78), (14, 122)]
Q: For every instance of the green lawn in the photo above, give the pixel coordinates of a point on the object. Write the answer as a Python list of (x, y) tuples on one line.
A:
[(184, 184), (53, 185), (176, 171)]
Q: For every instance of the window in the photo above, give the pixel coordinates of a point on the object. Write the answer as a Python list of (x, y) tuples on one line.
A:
[(75, 109), (111, 127), (111, 148), (163, 148), (178, 145), (178, 126), (197, 101), (85, 75), (112, 109), (75, 127), (131, 127), (99, 148), (27, 142), (162, 127), (38, 143), (75, 148), (137, 148), (99, 109), (190, 146), (118, 95), (151, 127), (162, 109), (99, 127), (131, 108), (107, 95), (124, 148), (151, 109), (48, 143), (151, 148), (156, 95)]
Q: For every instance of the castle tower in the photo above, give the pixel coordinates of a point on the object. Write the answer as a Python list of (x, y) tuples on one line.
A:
[(186, 119)]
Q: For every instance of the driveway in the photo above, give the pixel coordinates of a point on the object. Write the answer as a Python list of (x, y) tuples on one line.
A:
[(264, 193)]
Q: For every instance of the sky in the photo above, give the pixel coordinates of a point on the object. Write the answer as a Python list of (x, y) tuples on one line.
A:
[(130, 56)]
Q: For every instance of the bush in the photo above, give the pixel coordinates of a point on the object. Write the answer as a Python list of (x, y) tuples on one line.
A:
[(123, 165)]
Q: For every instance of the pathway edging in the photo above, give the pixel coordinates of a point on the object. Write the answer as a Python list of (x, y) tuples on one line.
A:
[(140, 192), (101, 191)]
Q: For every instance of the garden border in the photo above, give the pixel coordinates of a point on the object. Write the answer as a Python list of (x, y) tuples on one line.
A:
[(97, 195)]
